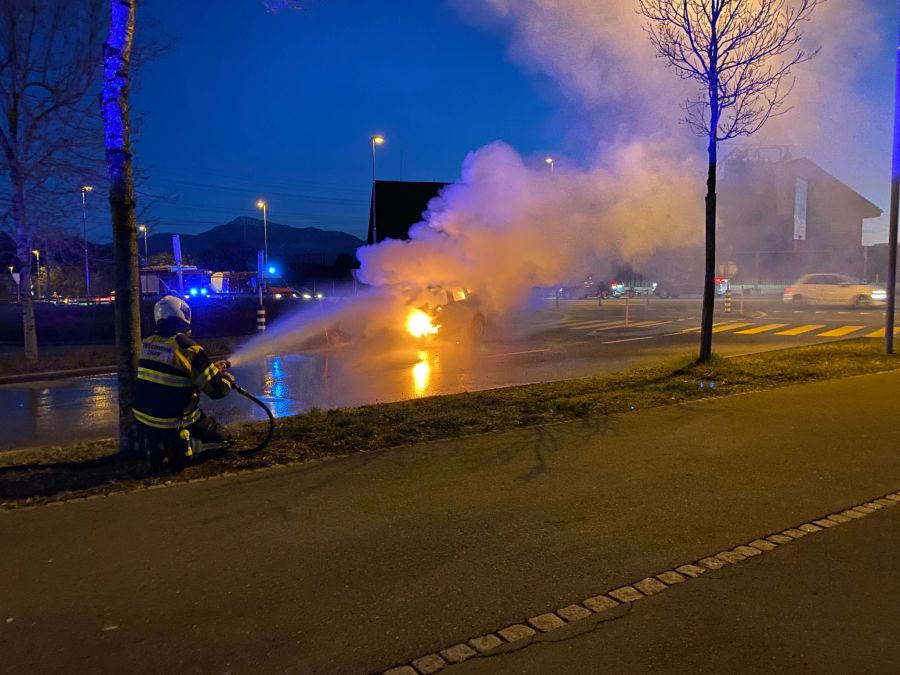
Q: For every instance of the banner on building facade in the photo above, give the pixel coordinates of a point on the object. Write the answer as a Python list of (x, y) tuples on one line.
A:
[(800, 195)]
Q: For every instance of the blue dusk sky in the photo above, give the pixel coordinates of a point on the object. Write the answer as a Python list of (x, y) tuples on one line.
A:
[(249, 105), (245, 105)]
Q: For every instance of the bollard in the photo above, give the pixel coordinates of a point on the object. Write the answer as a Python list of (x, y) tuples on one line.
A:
[(728, 300), (743, 293), (627, 296), (261, 319)]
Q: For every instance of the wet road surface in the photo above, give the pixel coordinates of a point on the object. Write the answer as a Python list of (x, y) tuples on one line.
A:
[(578, 339)]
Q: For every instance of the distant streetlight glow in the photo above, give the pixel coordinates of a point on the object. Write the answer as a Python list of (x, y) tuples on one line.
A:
[(549, 161), (87, 272), (377, 139), (18, 286), (37, 254), (143, 228), (262, 205)]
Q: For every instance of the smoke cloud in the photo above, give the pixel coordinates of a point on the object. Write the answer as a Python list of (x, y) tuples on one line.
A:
[(506, 227)]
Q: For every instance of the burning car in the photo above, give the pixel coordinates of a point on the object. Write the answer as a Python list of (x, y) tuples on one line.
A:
[(454, 313)]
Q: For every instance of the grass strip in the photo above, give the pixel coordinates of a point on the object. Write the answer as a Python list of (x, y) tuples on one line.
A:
[(47, 474)]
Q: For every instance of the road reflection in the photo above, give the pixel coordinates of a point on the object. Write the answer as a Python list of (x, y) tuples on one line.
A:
[(65, 411)]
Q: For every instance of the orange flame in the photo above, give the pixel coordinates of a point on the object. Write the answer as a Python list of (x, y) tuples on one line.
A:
[(418, 324)]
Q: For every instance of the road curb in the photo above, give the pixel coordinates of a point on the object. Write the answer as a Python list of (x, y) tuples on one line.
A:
[(57, 374), (68, 374)]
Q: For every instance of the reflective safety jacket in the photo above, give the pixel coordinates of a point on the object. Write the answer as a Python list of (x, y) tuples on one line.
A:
[(172, 372)]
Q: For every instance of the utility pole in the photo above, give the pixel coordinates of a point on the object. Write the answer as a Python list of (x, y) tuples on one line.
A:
[(895, 204), (87, 272)]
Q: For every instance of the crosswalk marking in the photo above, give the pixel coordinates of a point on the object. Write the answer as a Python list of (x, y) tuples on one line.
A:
[(799, 330), (730, 326), (761, 329), (618, 324), (696, 329), (597, 326), (880, 333), (588, 325), (840, 332)]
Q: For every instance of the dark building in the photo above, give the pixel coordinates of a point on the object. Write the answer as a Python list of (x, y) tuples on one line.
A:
[(781, 217), (398, 205)]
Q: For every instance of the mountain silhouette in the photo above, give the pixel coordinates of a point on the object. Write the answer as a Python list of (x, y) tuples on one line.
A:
[(233, 246)]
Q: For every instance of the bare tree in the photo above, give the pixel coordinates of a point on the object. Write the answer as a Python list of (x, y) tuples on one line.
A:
[(115, 111), (49, 66), (741, 52)]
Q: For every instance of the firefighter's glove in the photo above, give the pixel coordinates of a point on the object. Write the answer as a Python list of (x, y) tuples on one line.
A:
[(228, 377)]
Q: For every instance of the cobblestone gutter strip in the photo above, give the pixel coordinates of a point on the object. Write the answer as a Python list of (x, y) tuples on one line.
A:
[(615, 602)]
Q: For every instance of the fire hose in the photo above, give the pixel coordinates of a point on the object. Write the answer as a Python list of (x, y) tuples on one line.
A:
[(243, 392), (225, 365)]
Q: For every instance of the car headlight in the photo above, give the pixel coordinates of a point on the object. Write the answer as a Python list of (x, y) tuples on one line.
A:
[(879, 294)]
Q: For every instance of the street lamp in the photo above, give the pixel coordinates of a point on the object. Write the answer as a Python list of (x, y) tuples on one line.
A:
[(18, 286), (549, 161), (143, 229), (87, 273), (37, 254), (377, 139), (262, 205)]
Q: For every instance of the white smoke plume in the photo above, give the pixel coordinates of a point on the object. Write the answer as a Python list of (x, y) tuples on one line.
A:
[(506, 227), (598, 55)]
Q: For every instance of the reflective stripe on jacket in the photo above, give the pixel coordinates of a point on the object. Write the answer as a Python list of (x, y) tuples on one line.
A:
[(172, 371)]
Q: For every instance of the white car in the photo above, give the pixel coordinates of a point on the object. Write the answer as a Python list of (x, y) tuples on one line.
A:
[(832, 289)]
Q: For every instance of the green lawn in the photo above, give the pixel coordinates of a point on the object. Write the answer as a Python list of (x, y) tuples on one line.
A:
[(54, 473)]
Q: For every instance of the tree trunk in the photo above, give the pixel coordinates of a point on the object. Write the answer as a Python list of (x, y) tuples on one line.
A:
[(114, 105), (23, 253), (709, 278)]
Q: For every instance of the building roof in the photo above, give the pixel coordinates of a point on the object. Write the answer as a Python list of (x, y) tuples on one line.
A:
[(398, 206), (807, 169)]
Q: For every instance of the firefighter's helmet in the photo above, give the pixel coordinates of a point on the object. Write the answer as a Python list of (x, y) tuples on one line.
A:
[(171, 307)]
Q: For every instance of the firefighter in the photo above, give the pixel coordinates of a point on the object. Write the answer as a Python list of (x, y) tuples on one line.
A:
[(172, 371)]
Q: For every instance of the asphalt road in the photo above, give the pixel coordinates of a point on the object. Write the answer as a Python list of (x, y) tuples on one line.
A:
[(575, 339), (363, 563)]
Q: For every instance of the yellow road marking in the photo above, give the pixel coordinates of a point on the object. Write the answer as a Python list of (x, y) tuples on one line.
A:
[(646, 324), (840, 332), (801, 329), (721, 324), (590, 324), (880, 333), (761, 329), (730, 326)]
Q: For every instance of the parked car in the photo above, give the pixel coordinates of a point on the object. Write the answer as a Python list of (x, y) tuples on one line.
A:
[(692, 286), (832, 289)]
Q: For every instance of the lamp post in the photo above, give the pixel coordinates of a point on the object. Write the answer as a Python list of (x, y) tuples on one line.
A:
[(549, 161), (18, 287), (143, 229), (262, 205), (377, 139), (37, 254), (87, 273)]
